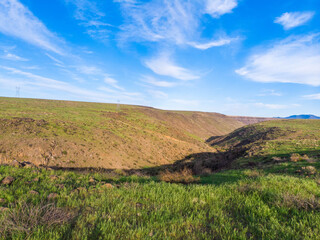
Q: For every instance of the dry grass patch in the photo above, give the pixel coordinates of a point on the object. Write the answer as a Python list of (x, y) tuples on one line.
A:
[(249, 188), (25, 218), (182, 176), (296, 157), (309, 170), (296, 201), (253, 173)]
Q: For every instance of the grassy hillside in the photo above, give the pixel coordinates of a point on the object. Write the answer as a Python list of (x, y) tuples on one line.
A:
[(272, 142), (78, 134)]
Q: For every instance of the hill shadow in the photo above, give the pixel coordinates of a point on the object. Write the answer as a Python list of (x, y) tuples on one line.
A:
[(199, 162)]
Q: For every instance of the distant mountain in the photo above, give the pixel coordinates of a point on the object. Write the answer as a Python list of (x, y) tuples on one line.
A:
[(304, 116)]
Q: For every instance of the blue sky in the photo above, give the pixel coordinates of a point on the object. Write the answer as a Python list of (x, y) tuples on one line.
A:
[(237, 57)]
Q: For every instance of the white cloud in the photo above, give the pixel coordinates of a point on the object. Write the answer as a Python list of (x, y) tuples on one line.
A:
[(116, 94), (48, 82), (89, 70), (269, 92), (158, 94), (57, 61), (313, 96), (216, 8), (163, 65), (153, 81), (97, 73), (44, 83), (35, 67), (96, 23), (112, 82), (17, 21), (217, 43), (85, 10), (90, 16), (293, 60), (174, 21), (294, 19), (13, 57)]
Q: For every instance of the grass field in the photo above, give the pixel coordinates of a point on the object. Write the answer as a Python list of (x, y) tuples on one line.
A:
[(233, 204)]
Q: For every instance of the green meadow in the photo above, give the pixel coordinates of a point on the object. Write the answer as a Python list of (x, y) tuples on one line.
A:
[(232, 204)]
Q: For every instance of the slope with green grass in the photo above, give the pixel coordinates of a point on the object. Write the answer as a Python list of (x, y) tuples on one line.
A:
[(79, 134), (272, 142)]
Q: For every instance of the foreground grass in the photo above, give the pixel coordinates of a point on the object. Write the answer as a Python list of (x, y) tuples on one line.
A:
[(236, 204)]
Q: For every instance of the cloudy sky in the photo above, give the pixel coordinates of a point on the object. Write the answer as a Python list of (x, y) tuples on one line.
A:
[(237, 57)]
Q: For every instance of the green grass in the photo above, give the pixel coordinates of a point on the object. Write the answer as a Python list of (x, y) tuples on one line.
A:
[(234, 204)]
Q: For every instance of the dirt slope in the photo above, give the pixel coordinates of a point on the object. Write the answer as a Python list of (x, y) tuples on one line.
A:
[(79, 134)]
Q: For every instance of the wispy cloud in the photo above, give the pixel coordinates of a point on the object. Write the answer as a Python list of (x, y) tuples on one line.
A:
[(157, 83), (57, 61), (17, 21), (13, 57), (98, 73), (269, 92), (216, 43), (88, 14), (313, 96), (122, 94), (89, 70), (164, 66), (157, 94), (86, 10), (112, 82), (293, 60), (175, 21), (45, 83), (294, 19), (216, 8)]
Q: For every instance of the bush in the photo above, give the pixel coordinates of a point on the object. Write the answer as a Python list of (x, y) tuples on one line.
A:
[(182, 176)]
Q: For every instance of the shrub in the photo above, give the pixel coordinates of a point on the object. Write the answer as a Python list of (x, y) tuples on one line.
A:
[(182, 176)]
